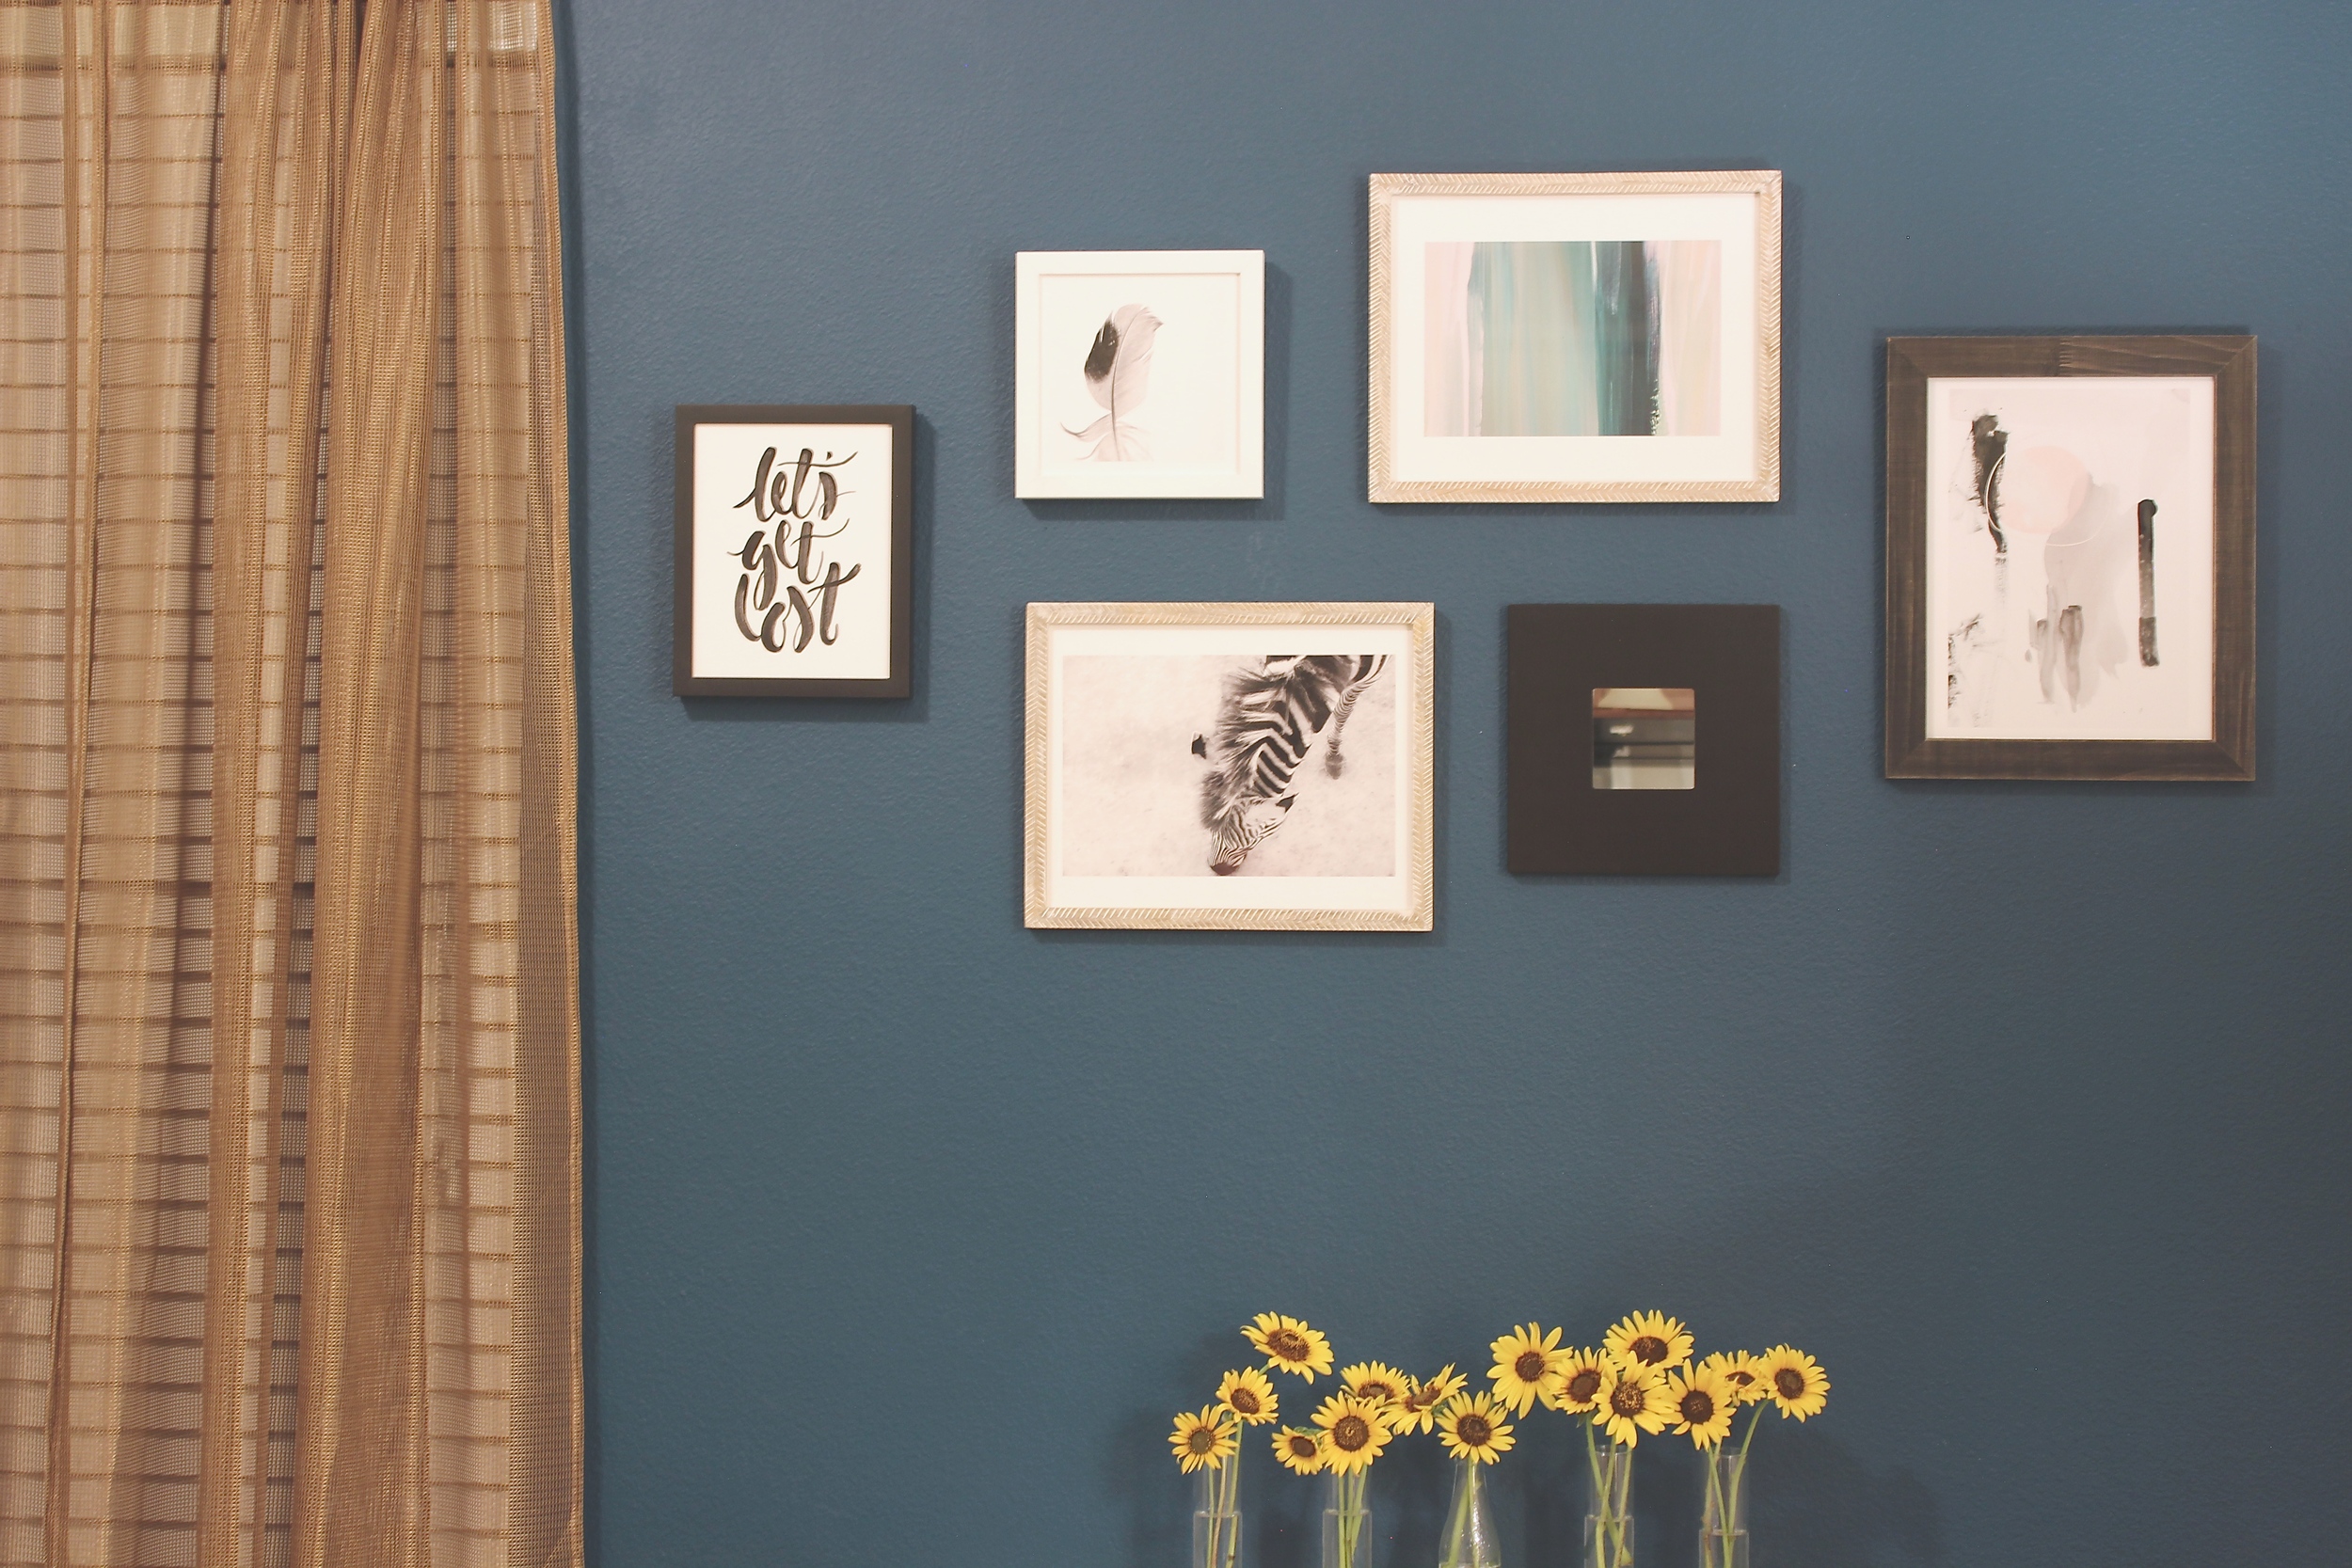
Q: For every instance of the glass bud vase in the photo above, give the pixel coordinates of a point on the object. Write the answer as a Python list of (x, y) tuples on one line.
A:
[(1609, 1526), (1469, 1539), (1346, 1523), (1216, 1518), (1724, 1516)]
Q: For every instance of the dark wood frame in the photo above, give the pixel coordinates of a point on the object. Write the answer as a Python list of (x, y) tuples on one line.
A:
[(1727, 825), (1911, 363), (900, 418)]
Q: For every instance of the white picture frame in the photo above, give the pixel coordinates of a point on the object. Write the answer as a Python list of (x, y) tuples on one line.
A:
[(1147, 800), (1186, 326), (1637, 322)]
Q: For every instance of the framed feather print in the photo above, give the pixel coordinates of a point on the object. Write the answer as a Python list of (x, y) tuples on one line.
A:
[(795, 539), (1139, 373), (1575, 337), (1246, 766)]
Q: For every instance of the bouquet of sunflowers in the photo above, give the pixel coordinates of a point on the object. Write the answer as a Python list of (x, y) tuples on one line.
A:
[(1641, 1380)]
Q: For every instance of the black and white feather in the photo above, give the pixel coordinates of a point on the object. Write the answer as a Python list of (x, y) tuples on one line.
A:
[(1117, 372)]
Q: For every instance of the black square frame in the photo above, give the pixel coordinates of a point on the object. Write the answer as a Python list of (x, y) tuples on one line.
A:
[(1727, 825), (900, 418)]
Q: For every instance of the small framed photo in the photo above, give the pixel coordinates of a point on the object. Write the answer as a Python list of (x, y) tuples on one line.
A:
[(1575, 337), (1645, 740), (1250, 767), (795, 573), (1139, 373), (2070, 557)]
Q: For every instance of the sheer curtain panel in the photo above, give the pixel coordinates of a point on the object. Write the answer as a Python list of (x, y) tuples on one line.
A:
[(289, 1029)]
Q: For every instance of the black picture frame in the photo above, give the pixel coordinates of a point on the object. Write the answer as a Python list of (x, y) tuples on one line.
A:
[(898, 682), (1558, 822), (1911, 363)]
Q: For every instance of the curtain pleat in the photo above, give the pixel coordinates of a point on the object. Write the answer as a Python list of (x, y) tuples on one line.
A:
[(289, 1037)]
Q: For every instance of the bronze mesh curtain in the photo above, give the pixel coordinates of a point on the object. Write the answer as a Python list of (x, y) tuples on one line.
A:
[(289, 1039)]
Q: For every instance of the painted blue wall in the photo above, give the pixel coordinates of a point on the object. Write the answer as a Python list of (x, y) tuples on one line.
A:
[(2021, 1105)]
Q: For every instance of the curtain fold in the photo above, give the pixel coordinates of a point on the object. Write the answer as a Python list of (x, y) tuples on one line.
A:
[(289, 1037)]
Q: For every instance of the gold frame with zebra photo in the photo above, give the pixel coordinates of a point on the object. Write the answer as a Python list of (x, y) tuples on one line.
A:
[(1169, 742)]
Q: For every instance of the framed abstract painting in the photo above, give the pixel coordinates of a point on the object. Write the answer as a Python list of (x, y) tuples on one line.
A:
[(1575, 337), (794, 573), (1139, 373), (1251, 766), (2070, 557)]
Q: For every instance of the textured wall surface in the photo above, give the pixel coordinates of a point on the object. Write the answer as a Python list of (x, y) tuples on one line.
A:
[(2021, 1105)]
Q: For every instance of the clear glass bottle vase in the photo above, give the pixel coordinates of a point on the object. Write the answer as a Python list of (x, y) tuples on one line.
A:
[(1724, 1516), (1609, 1522), (1217, 1516), (1346, 1523), (1469, 1539)]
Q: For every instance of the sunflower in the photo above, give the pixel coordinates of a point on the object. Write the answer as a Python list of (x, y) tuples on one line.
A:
[(1582, 1377), (1738, 1370), (1248, 1395), (1300, 1447), (1650, 1340), (1289, 1345), (1702, 1402), (1376, 1381), (1416, 1409), (1793, 1381), (1527, 1364), (1633, 1402), (1474, 1428), (1354, 1433), (1205, 1440)]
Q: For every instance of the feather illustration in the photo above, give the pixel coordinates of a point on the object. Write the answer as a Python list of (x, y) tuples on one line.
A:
[(1275, 713), (1117, 373)]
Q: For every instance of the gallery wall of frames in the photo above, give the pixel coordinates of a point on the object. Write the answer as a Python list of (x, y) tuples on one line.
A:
[(1438, 667), (2070, 549)]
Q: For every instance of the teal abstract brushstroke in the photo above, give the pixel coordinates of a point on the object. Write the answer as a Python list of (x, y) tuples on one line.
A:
[(1572, 338)]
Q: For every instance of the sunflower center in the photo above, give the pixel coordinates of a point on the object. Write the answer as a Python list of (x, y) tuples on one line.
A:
[(1201, 1440), (1584, 1384), (1244, 1400), (1698, 1408), (1373, 1389), (1287, 1344), (1629, 1399), (1302, 1446), (1649, 1350), (1790, 1381), (1351, 1432), (1741, 1378), (1474, 1431), (1529, 1367)]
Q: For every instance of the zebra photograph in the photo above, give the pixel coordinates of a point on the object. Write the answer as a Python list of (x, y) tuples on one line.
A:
[(1237, 767), (1272, 765)]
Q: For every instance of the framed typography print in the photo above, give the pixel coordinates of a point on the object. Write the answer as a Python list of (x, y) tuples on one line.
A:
[(1139, 372), (2070, 557), (1575, 337), (1645, 740), (795, 543), (1257, 767)]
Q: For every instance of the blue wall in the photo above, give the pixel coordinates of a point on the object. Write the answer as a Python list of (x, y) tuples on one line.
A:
[(2021, 1105)]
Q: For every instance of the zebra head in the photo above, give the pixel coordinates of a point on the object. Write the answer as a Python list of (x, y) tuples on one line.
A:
[(1235, 832)]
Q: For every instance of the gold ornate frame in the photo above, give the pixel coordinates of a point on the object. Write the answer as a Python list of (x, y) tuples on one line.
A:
[(1762, 486), (1419, 874)]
